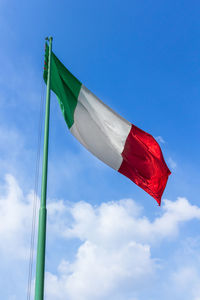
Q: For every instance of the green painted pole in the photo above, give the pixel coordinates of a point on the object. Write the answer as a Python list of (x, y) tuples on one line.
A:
[(40, 265)]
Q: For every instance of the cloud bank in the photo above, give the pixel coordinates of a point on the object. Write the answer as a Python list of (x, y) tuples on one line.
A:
[(115, 258)]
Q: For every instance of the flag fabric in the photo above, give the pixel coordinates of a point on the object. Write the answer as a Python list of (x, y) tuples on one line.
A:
[(115, 141)]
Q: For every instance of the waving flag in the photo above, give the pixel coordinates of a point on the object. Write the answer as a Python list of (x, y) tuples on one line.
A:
[(118, 143)]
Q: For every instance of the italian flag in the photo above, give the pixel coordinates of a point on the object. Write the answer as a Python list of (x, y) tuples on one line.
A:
[(115, 141)]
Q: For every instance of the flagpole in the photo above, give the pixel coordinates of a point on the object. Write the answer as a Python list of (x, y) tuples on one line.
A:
[(40, 264)]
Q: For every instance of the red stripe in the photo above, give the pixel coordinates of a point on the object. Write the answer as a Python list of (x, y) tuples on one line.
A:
[(144, 164)]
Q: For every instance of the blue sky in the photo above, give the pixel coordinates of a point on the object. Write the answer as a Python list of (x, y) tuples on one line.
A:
[(106, 237)]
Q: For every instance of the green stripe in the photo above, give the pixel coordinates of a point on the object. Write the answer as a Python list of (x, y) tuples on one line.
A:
[(64, 85)]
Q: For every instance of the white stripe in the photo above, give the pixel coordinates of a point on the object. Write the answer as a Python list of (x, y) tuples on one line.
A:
[(99, 129)]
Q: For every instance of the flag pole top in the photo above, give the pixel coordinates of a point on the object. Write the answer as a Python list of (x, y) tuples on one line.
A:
[(49, 38)]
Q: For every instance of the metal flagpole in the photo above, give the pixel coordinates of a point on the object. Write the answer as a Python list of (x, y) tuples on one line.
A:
[(40, 265)]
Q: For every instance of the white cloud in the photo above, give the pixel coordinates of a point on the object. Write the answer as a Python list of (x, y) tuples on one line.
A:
[(15, 216), (101, 273), (172, 163), (186, 280), (118, 221), (175, 213), (114, 257), (160, 139)]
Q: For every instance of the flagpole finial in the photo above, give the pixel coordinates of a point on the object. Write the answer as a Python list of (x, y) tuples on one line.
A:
[(49, 38)]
